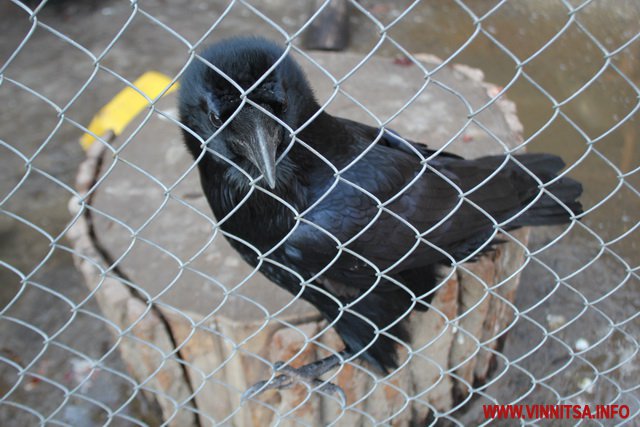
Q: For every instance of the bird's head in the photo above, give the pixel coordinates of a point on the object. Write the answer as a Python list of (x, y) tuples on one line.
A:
[(248, 122)]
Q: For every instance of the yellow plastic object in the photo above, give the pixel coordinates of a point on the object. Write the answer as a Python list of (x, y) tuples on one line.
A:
[(126, 105)]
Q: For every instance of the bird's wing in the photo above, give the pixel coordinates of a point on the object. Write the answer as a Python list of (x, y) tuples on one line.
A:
[(371, 221), (391, 212), (391, 139)]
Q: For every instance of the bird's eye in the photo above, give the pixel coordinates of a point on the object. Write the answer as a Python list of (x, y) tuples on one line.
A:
[(215, 120), (278, 106)]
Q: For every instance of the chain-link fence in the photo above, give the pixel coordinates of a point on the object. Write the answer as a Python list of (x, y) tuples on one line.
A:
[(122, 302)]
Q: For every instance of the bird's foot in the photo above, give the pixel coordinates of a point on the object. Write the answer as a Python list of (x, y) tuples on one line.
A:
[(308, 374)]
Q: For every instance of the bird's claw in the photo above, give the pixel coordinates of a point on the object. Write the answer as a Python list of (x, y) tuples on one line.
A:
[(289, 376)]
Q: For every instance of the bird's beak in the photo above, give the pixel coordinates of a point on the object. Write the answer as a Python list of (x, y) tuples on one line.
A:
[(262, 151)]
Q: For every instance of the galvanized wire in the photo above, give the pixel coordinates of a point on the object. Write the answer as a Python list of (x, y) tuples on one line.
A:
[(26, 371)]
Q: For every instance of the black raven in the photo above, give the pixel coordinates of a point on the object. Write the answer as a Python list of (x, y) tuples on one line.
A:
[(356, 220)]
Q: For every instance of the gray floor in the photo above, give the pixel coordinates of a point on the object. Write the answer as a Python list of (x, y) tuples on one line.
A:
[(58, 70)]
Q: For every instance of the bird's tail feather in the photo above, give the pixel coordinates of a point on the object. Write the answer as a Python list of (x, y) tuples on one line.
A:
[(557, 203), (520, 193)]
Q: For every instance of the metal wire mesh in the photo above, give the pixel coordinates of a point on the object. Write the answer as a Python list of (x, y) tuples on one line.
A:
[(572, 69)]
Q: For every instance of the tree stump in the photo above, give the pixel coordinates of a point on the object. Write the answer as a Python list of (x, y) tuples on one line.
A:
[(197, 326)]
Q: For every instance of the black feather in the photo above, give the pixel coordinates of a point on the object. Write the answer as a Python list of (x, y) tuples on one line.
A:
[(363, 266)]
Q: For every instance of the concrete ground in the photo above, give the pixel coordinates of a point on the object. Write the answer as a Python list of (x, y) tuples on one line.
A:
[(595, 306)]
